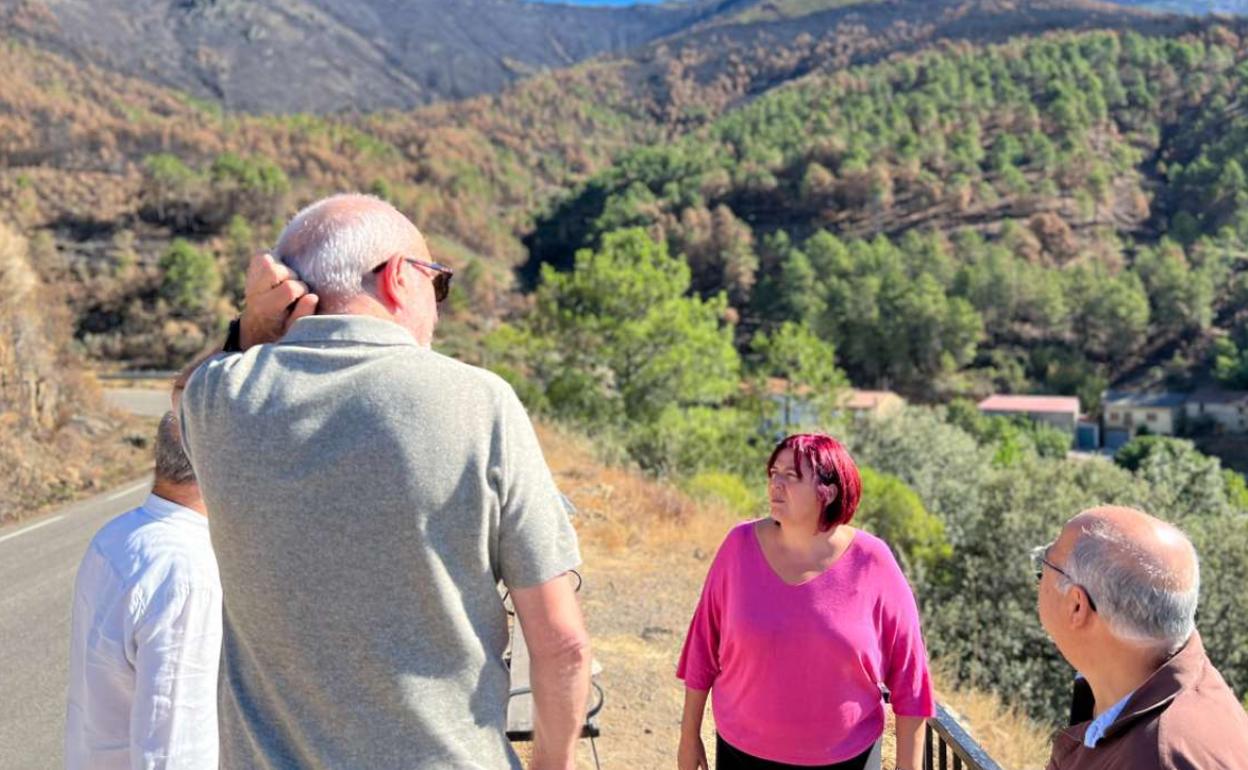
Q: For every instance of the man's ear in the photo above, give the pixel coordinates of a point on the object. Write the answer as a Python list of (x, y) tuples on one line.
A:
[(1078, 608), (390, 283)]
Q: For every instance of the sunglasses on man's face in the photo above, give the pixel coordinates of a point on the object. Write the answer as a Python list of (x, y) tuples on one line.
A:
[(441, 278)]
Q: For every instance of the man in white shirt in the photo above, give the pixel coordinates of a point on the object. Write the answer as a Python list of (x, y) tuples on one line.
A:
[(146, 635)]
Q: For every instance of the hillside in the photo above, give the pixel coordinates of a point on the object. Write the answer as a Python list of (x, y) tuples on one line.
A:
[(280, 56), (330, 55), (103, 170), (1046, 213), (749, 47)]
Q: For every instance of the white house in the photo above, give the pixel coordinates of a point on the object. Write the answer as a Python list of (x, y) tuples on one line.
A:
[(1228, 409), (1158, 412)]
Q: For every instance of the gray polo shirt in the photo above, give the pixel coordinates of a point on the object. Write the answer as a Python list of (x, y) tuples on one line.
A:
[(366, 496)]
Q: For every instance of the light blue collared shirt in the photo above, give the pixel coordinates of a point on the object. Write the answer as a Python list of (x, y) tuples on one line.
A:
[(1097, 729)]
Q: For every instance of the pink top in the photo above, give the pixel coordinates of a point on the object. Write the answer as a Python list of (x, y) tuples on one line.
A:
[(796, 669)]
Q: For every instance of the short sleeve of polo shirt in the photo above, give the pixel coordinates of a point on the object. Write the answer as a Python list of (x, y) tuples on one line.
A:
[(536, 541)]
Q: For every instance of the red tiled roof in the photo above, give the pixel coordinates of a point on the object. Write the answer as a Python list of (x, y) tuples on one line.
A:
[(1034, 404)]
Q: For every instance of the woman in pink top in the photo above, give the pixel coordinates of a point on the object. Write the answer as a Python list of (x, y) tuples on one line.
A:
[(802, 619)]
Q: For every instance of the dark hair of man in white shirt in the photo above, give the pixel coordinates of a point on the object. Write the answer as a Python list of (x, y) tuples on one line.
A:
[(175, 478)]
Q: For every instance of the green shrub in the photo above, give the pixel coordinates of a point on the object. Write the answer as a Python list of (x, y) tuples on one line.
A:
[(686, 440), (894, 512), (190, 282), (729, 489)]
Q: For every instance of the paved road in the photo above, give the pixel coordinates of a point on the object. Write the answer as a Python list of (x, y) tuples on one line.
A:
[(38, 560), (140, 401)]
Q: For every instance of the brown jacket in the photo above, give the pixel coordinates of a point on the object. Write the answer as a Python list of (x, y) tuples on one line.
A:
[(1183, 717)]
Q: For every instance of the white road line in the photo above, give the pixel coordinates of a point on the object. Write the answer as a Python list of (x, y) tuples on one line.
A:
[(31, 528), (128, 490)]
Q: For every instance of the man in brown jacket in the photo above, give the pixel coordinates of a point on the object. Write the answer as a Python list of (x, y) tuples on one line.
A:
[(1117, 595)]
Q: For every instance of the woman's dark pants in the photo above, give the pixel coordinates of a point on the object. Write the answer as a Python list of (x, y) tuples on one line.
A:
[(728, 757)]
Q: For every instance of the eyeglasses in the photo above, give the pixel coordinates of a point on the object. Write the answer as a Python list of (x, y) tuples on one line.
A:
[(1040, 560), (441, 281)]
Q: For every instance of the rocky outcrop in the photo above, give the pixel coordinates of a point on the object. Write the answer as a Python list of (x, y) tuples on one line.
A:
[(33, 338)]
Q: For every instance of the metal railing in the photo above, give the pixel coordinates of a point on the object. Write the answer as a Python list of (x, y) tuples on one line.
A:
[(948, 746)]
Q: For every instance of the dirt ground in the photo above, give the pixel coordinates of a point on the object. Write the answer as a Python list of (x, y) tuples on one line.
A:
[(646, 550)]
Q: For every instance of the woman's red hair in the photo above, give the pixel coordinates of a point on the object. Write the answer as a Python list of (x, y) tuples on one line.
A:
[(834, 470)]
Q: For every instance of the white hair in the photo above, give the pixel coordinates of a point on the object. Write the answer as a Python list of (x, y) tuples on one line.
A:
[(1140, 595), (333, 243)]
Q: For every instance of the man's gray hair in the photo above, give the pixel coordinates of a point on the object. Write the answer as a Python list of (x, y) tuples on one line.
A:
[(1142, 597), (332, 247), (172, 464)]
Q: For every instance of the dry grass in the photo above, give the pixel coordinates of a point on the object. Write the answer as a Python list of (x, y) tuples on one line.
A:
[(1009, 736), (621, 509), (647, 547)]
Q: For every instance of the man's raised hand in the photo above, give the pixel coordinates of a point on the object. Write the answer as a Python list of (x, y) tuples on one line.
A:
[(274, 298)]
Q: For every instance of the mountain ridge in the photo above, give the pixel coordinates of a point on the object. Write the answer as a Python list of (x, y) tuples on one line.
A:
[(326, 56), (334, 55)]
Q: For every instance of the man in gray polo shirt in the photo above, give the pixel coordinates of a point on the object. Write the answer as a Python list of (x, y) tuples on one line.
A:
[(367, 496)]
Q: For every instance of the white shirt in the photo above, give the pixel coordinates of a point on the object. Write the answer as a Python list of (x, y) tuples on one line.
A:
[(145, 644)]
